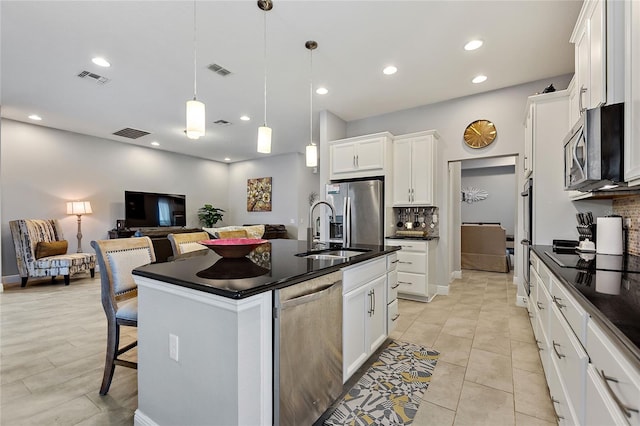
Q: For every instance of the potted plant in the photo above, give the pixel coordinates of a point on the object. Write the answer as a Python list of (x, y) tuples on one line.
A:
[(209, 215)]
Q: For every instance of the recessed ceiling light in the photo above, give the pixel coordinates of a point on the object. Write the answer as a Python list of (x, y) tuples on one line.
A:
[(35, 117), (101, 62), (390, 70), (227, 159), (245, 118), (479, 79), (322, 90), (473, 45), (154, 143)]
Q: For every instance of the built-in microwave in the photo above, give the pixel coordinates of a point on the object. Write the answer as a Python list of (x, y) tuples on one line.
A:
[(594, 150)]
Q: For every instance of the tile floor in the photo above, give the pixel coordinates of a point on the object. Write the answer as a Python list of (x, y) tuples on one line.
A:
[(52, 344)]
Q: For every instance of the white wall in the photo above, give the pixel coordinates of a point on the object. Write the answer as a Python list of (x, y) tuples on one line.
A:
[(505, 107), (500, 204), (291, 183), (43, 168)]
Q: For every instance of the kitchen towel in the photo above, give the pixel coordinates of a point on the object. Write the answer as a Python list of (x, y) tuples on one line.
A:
[(609, 235)]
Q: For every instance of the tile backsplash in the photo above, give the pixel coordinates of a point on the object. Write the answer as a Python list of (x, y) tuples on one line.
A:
[(629, 207)]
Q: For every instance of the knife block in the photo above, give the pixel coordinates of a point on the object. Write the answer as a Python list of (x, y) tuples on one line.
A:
[(587, 231)]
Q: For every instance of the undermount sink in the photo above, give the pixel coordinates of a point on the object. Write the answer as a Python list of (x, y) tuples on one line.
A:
[(332, 254)]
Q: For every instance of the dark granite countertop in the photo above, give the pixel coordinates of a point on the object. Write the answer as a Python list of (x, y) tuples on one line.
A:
[(270, 266), (609, 297), (409, 237)]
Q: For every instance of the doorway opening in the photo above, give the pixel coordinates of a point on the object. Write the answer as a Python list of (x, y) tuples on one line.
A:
[(484, 221)]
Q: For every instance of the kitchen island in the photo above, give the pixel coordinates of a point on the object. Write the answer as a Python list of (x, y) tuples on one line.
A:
[(206, 335)]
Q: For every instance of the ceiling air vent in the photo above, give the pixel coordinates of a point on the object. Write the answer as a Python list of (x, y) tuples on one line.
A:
[(222, 122), (131, 133), (219, 70), (95, 77)]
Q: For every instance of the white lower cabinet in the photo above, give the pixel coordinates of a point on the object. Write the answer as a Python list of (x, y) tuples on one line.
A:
[(590, 380), (416, 269), (392, 292), (364, 312)]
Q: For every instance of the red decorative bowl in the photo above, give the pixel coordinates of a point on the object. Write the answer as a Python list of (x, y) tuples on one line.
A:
[(232, 248)]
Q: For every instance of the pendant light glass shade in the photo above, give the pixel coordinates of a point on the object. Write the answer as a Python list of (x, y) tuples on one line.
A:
[(311, 155), (195, 119), (264, 140), (264, 132), (195, 109)]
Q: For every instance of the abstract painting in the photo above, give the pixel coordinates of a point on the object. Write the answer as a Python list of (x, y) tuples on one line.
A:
[(259, 194)]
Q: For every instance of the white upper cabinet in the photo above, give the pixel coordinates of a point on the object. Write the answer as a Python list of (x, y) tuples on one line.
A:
[(599, 56), (415, 165), (632, 97), (362, 156)]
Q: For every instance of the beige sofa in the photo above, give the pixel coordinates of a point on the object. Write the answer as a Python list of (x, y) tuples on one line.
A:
[(484, 247)]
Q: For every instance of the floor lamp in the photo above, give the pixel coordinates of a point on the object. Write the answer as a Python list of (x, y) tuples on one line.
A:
[(79, 208)]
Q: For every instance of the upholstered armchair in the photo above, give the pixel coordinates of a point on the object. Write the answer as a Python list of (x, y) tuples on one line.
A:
[(41, 251)]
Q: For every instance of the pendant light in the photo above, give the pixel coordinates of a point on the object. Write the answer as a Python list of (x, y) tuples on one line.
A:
[(195, 108), (311, 151), (264, 132)]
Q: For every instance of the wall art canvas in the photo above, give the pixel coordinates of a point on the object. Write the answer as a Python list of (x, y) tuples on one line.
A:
[(259, 194)]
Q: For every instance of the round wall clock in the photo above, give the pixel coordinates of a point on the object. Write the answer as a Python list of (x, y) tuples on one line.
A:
[(480, 133)]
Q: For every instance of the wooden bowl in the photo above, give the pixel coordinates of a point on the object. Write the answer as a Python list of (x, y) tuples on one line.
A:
[(233, 248)]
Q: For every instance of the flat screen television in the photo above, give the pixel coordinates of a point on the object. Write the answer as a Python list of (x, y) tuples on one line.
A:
[(148, 209)]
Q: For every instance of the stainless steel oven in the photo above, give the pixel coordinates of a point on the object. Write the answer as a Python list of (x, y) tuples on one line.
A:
[(527, 241)]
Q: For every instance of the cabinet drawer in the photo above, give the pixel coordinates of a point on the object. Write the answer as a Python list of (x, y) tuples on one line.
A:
[(409, 245), (601, 408), (392, 316), (412, 283), (564, 412), (412, 262), (392, 286), (624, 379), (534, 261), (545, 275), (392, 261), (362, 273), (543, 304), (575, 315), (571, 360)]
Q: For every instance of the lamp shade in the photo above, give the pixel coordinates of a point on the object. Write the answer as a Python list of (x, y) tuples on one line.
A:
[(311, 155), (79, 207), (195, 119), (264, 140)]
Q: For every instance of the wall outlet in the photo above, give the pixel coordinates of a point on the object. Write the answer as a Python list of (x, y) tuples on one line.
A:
[(173, 347)]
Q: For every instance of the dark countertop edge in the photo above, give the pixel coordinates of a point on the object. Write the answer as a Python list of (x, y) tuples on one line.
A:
[(408, 237), (621, 341), (285, 282)]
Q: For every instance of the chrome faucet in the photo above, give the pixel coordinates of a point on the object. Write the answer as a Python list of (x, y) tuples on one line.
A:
[(310, 244)]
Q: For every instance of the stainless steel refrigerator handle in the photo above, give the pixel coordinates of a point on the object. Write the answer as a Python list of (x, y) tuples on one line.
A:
[(347, 222)]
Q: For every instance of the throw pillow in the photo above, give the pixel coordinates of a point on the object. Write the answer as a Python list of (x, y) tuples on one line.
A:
[(240, 233), (52, 248)]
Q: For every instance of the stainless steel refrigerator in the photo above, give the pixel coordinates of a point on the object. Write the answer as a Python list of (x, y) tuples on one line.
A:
[(359, 212)]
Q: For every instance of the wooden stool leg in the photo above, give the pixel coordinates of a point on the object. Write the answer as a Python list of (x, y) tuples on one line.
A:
[(24, 282), (113, 340), (66, 280)]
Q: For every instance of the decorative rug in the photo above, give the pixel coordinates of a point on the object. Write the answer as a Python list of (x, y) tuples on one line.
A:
[(390, 391)]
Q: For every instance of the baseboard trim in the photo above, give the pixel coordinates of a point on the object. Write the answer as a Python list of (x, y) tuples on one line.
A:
[(141, 419), (455, 275), (443, 290)]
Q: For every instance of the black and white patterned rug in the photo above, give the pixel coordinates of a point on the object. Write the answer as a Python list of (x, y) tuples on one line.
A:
[(390, 391)]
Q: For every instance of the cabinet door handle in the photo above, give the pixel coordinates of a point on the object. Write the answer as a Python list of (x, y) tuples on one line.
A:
[(558, 354), (370, 311), (406, 263), (558, 304), (539, 307), (357, 161), (582, 91), (393, 287), (626, 410), (409, 194), (395, 261), (395, 317), (404, 282), (354, 161)]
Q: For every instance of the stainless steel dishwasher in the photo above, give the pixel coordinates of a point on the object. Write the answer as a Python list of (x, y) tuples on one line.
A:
[(307, 349)]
